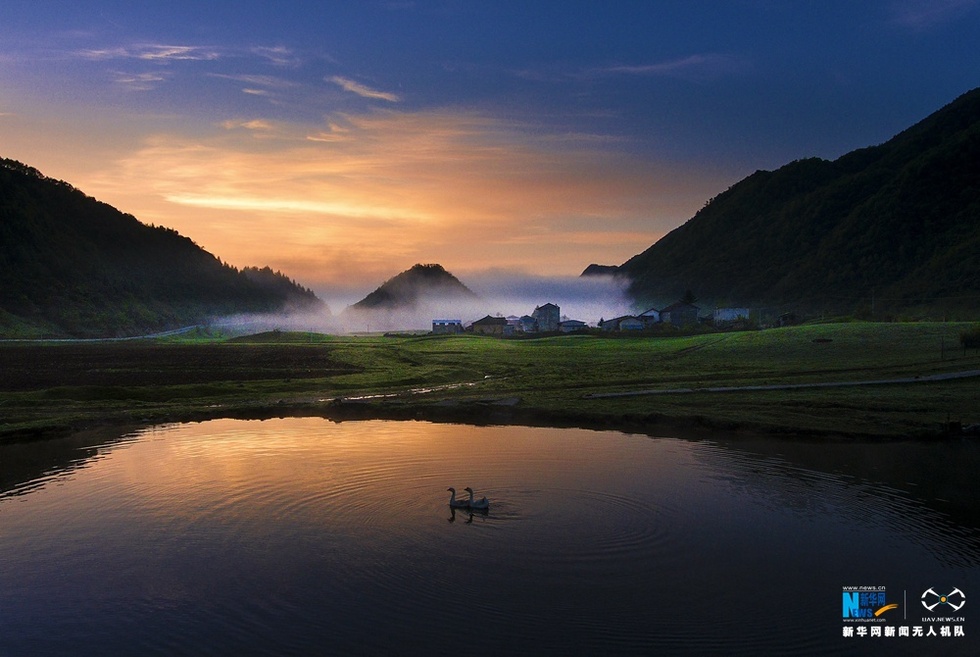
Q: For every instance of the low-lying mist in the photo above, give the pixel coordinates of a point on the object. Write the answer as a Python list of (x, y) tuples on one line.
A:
[(319, 321), (587, 299)]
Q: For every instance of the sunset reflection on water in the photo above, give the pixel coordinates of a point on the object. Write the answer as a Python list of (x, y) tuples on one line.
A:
[(289, 535)]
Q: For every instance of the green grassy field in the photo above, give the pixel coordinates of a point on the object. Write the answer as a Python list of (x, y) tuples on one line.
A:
[(56, 387)]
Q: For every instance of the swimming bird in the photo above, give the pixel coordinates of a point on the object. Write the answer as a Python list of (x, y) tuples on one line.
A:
[(480, 504), (454, 503)]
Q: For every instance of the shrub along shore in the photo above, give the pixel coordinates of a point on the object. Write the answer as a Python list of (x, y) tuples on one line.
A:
[(794, 381)]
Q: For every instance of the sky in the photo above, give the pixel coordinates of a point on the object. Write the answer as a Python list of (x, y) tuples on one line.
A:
[(343, 142)]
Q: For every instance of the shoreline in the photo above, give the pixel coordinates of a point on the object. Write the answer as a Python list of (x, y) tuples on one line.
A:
[(505, 411)]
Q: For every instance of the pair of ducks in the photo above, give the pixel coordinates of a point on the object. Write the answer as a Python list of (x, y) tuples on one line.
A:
[(471, 503)]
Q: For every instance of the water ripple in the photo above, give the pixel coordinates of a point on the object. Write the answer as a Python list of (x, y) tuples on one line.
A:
[(304, 537)]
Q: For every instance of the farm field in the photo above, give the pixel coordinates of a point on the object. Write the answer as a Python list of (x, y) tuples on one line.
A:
[(50, 388)]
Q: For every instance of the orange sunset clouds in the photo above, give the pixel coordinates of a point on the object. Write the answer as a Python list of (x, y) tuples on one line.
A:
[(365, 195)]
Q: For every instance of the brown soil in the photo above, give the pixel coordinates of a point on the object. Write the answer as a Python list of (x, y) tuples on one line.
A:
[(36, 367)]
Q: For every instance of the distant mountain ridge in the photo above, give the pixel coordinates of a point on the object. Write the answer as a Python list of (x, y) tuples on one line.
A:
[(74, 266), (601, 270), (420, 283), (895, 225)]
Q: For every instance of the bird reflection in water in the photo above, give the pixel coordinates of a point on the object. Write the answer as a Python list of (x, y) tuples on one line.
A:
[(469, 513)]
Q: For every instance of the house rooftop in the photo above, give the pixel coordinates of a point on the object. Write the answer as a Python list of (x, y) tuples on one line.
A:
[(491, 320)]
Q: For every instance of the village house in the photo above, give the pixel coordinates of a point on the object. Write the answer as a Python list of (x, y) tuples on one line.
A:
[(547, 317), (631, 324), (526, 324), (650, 317), (609, 324), (624, 323), (571, 325), (680, 314), (490, 326), (447, 326)]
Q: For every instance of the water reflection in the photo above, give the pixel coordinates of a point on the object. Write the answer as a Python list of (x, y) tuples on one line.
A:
[(27, 466), (302, 536), (468, 514)]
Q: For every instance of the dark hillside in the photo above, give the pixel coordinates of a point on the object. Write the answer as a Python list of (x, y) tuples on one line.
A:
[(407, 289), (898, 223), (75, 266)]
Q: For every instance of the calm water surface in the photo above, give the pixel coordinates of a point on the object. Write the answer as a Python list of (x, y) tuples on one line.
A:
[(306, 537)]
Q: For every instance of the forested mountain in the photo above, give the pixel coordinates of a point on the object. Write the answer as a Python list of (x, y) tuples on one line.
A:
[(409, 288), (74, 266), (895, 225)]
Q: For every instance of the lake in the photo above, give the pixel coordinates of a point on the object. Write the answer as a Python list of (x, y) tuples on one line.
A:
[(303, 536)]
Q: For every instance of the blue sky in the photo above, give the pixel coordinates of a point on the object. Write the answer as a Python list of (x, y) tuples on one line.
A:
[(344, 141)]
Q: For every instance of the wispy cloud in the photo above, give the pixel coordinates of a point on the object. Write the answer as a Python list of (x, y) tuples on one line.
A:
[(278, 55), (698, 66), (927, 14), (269, 81), (153, 52), (333, 133), (285, 205), (178, 53), (691, 66), (141, 81), (259, 85), (253, 124), (362, 90)]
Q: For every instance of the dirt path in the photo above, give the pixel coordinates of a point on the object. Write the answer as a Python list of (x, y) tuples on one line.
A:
[(132, 338), (789, 386)]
